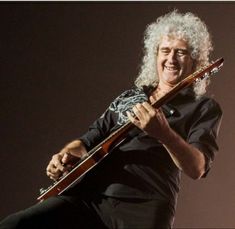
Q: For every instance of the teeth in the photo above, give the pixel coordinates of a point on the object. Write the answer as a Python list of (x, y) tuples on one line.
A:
[(170, 68)]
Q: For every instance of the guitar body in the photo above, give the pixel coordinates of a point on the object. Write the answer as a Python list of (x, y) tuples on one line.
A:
[(95, 156), (74, 175)]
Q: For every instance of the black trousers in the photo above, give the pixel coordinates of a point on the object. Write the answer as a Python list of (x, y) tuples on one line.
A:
[(97, 213)]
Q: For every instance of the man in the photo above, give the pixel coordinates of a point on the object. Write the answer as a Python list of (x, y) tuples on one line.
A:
[(136, 186)]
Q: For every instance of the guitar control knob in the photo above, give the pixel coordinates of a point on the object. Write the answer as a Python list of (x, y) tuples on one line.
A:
[(42, 190)]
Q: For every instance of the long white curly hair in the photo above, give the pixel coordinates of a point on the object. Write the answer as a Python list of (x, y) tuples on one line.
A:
[(186, 26)]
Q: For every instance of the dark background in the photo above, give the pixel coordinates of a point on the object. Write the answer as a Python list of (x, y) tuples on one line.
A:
[(62, 64)]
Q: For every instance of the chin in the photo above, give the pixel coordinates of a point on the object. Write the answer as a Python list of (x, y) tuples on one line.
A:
[(173, 80)]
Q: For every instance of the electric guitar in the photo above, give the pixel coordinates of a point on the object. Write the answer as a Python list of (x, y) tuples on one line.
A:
[(99, 152)]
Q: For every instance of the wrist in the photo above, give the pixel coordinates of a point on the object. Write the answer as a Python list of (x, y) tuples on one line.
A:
[(169, 137)]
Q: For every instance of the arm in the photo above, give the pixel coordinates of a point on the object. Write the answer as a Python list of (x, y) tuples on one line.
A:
[(186, 157), (63, 161)]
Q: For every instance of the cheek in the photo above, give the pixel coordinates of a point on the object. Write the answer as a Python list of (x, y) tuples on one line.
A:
[(159, 68), (159, 64), (190, 66), (187, 65)]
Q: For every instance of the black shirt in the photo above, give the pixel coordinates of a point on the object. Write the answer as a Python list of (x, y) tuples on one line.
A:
[(141, 167)]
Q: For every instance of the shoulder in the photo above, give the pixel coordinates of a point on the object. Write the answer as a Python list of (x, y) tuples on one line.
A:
[(131, 92), (209, 104), (133, 95), (204, 103)]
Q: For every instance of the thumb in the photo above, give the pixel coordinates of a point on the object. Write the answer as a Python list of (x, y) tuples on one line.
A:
[(66, 158)]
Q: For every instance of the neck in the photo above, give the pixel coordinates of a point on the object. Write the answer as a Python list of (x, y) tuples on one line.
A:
[(164, 88), (159, 92)]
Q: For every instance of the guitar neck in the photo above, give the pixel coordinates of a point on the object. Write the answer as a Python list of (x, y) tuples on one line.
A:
[(204, 72)]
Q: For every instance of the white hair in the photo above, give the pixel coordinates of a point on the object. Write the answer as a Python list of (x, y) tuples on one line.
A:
[(182, 26)]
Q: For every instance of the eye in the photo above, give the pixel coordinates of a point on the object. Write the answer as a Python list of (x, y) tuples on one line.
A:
[(165, 50), (182, 52)]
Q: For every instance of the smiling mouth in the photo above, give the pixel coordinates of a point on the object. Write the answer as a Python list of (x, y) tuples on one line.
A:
[(171, 68)]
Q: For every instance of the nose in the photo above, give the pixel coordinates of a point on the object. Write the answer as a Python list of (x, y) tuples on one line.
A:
[(172, 56)]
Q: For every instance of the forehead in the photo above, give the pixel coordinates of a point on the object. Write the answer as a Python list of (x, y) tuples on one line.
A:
[(173, 42)]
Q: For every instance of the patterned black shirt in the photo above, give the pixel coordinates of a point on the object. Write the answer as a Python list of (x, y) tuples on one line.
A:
[(141, 167)]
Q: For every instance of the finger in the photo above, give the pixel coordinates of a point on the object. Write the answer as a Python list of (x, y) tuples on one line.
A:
[(65, 158), (59, 167), (70, 159), (52, 170), (56, 173), (53, 176), (149, 108), (136, 112), (140, 111), (56, 163), (68, 168), (132, 119), (159, 110), (160, 115)]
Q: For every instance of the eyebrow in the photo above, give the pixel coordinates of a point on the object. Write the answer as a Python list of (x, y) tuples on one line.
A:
[(183, 49)]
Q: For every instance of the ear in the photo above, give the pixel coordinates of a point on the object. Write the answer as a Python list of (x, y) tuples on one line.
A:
[(156, 51)]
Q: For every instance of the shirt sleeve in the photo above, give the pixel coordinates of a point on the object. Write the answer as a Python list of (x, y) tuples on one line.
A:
[(100, 129), (204, 131), (114, 117)]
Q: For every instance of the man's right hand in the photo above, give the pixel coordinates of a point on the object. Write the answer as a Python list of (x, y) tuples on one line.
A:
[(63, 161)]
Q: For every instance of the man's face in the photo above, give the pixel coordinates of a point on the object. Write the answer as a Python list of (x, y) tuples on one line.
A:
[(174, 62)]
